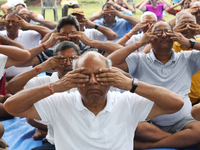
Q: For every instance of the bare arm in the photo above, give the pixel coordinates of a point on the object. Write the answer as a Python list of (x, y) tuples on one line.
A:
[(97, 15), (165, 101), (15, 54), (132, 20), (47, 23), (18, 82), (40, 29), (167, 3), (138, 4), (22, 103), (142, 6), (108, 47), (110, 34), (128, 6), (7, 41)]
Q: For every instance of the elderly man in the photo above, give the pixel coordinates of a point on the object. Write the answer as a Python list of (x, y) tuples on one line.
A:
[(186, 24), (147, 19), (64, 53), (162, 66), (119, 26), (92, 116)]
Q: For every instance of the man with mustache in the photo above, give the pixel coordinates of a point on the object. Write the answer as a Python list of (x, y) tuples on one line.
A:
[(162, 66), (64, 54)]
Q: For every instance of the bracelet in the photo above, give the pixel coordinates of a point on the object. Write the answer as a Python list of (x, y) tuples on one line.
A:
[(36, 68), (44, 46), (137, 46), (127, 36), (50, 89)]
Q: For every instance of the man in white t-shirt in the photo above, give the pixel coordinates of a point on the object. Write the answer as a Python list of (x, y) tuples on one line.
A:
[(64, 53), (93, 117), (28, 39)]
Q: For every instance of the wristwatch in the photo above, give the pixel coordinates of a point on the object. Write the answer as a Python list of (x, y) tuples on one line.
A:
[(192, 42), (135, 85), (96, 26)]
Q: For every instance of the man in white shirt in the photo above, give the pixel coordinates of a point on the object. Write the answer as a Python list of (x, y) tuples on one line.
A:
[(93, 117), (64, 53)]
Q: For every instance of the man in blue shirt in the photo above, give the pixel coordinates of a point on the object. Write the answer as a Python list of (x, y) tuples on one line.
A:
[(120, 26)]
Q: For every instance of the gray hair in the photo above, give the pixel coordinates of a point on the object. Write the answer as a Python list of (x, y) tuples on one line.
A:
[(181, 13), (64, 45), (108, 62), (148, 13)]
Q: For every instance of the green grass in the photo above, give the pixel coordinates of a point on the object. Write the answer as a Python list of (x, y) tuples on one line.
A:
[(88, 8)]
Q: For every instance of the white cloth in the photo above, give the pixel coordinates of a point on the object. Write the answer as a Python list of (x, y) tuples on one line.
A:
[(28, 39), (3, 60), (12, 3), (75, 127), (134, 39), (95, 35), (37, 81)]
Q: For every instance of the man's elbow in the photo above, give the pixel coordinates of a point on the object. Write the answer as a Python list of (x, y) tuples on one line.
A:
[(112, 37), (10, 88), (8, 106), (179, 103)]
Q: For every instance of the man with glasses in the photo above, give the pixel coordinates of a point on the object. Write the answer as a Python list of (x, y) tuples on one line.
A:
[(64, 54), (120, 26), (163, 67)]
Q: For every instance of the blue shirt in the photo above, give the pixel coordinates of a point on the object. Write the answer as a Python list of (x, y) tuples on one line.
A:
[(120, 27), (175, 75)]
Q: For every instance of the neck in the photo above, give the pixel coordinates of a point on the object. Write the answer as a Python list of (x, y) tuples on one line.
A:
[(154, 6), (164, 55), (95, 106), (12, 36)]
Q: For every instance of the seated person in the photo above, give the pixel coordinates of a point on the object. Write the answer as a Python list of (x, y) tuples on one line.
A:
[(93, 117), (66, 4), (155, 7), (120, 26), (11, 4), (25, 14)]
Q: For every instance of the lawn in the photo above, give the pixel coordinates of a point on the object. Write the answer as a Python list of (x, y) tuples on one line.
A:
[(85, 5)]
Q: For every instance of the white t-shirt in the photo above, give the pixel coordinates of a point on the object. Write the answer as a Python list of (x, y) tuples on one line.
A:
[(134, 39), (3, 60), (28, 39), (95, 35), (75, 127), (37, 81)]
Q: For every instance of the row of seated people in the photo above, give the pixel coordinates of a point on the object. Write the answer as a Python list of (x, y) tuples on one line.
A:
[(91, 112)]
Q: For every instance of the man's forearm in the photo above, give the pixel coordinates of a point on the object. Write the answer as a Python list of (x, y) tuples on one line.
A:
[(40, 29), (18, 82), (110, 34), (130, 19), (24, 100)]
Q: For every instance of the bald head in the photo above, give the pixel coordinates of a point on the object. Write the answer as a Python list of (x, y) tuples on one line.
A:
[(160, 24), (91, 57)]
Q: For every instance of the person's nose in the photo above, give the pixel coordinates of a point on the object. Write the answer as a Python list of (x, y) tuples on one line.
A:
[(68, 62), (92, 79), (164, 34)]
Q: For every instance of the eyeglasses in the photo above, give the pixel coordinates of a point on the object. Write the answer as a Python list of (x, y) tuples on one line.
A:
[(160, 32)]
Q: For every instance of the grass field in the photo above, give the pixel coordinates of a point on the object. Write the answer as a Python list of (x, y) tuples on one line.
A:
[(85, 5)]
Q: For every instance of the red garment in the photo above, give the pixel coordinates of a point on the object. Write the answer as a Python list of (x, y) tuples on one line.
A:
[(2, 85)]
